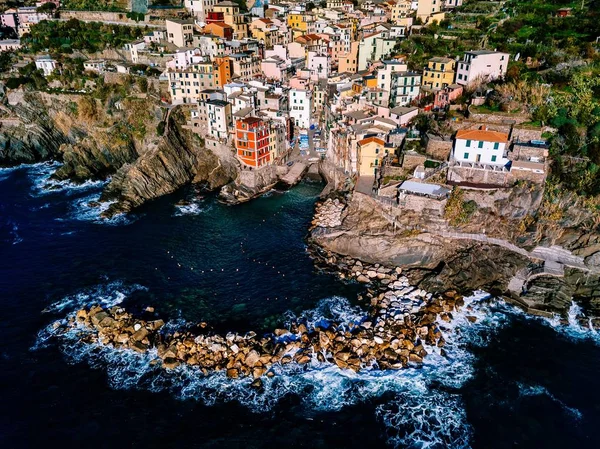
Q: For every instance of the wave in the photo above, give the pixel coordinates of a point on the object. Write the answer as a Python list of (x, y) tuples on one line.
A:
[(538, 390), (197, 206), (106, 295), (90, 209), (576, 327), (40, 175), (425, 409)]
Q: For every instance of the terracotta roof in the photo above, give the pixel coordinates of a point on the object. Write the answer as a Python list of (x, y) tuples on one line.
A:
[(371, 139), (219, 24), (481, 134)]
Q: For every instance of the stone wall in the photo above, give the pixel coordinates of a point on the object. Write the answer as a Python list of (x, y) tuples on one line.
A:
[(412, 160), (257, 179), (458, 175), (421, 204), (524, 175), (155, 18), (498, 117), (438, 148), (526, 133)]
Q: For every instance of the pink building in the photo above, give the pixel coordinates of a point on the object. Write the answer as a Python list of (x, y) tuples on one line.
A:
[(447, 95), (10, 19)]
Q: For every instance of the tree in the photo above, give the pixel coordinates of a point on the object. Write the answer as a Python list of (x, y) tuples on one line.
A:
[(47, 8)]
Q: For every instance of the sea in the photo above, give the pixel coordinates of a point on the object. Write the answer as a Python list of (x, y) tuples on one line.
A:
[(508, 380)]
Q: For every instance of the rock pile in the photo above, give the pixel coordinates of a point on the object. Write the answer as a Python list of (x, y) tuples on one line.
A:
[(400, 323), (328, 214)]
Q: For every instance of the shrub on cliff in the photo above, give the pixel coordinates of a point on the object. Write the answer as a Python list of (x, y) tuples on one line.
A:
[(458, 211)]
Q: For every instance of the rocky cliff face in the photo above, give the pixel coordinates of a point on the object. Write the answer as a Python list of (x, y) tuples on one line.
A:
[(437, 262), (28, 133), (94, 140), (178, 159)]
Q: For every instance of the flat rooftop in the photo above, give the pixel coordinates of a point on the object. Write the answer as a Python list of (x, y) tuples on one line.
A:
[(421, 188)]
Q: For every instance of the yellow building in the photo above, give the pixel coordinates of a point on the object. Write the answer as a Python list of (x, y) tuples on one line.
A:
[(439, 72), (370, 81), (348, 62), (298, 22), (400, 10), (370, 153), (233, 18)]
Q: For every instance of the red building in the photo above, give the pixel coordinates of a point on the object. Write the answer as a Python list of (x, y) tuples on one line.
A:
[(213, 17), (252, 142)]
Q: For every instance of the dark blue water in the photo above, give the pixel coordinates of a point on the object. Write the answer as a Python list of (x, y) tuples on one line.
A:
[(510, 381)]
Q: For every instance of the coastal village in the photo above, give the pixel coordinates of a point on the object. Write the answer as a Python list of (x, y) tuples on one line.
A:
[(422, 129), (298, 82)]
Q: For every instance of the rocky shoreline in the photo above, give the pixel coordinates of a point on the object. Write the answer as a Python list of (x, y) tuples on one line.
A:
[(396, 332)]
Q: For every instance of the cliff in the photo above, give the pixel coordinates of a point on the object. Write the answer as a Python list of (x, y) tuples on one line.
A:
[(112, 133), (28, 133), (178, 159), (492, 250)]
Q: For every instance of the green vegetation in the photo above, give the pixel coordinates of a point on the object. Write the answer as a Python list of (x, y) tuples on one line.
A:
[(555, 79), (95, 5), (28, 76), (458, 211), (65, 37)]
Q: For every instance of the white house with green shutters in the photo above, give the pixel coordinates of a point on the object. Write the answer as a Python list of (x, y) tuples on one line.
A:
[(480, 146)]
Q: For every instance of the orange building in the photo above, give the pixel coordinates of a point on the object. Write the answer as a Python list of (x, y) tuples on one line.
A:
[(219, 29), (223, 69), (252, 142)]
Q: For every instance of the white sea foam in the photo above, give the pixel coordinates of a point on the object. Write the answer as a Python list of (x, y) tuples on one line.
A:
[(106, 295), (574, 329), (420, 413), (40, 175), (195, 207), (538, 390), (90, 209)]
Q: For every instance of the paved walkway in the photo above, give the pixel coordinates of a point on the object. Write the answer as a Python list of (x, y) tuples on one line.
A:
[(295, 173)]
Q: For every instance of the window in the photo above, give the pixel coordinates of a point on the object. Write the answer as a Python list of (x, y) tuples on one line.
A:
[(468, 143), (480, 144), (493, 158), (466, 156), (496, 146)]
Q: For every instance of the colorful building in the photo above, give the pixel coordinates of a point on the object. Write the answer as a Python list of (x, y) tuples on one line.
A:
[(223, 70), (439, 72), (370, 153), (252, 142)]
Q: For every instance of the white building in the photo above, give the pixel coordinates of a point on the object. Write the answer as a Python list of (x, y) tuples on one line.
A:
[(10, 44), (219, 118), (385, 78), (481, 65), (406, 87), (453, 3), (46, 64), (374, 47), (319, 65), (481, 146), (300, 102), (180, 32), (199, 8), (134, 49)]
